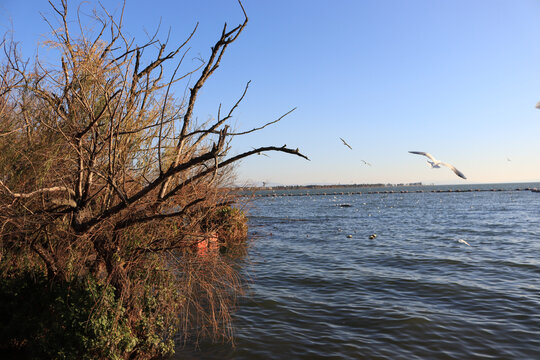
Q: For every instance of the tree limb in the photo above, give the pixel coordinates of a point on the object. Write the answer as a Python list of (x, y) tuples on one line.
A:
[(37, 192)]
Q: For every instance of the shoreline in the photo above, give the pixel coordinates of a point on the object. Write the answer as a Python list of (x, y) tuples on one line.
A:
[(330, 186), (271, 192)]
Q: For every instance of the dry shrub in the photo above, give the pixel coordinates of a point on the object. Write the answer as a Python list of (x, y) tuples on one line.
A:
[(108, 180)]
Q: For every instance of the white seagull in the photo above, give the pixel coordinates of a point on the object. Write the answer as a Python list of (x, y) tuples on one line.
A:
[(365, 162), (344, 142), (437, 164)]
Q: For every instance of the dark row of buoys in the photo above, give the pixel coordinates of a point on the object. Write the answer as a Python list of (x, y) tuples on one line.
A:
[(395, 192)]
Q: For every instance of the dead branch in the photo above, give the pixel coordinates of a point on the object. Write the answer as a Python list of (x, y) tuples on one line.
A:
[(265, 125), (39, 191)]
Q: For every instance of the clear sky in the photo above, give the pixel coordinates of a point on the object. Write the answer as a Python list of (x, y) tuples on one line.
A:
[(459, 79)]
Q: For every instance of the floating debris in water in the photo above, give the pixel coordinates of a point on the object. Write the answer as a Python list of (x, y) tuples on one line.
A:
[(344, 205), (463, 242), (372, 236), (349, 236)]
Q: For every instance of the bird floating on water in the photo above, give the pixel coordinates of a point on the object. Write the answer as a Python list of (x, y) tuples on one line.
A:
[(463, 242), (437, 164), (344, 142)]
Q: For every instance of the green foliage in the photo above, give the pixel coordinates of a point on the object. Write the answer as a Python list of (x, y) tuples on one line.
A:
[(76, 320), (157, 323)]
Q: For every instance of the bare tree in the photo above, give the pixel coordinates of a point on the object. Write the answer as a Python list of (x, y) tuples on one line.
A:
[(104, 171)]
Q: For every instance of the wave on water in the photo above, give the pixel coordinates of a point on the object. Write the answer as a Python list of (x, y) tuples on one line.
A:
[(322, 288)]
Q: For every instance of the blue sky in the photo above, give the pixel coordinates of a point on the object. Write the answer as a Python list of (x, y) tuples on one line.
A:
[(459, 79)]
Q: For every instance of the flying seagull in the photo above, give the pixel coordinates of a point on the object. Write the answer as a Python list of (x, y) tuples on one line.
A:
[(261, 153), (365, 162), (344, 142), (437, 164)]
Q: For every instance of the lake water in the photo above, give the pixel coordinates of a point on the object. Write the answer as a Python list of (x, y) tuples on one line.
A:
[(322, 289)]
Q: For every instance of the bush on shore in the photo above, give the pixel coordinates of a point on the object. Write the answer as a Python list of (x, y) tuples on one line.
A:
[(229, 225), (107, 180)]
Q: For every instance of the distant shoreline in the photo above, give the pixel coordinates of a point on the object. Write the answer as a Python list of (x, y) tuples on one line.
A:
[(332, 186)]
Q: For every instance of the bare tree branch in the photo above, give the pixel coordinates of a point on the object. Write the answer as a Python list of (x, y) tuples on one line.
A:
[(37, 192), (107, 171), (265, 125)]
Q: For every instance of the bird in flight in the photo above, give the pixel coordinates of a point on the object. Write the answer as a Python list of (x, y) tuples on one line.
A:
[(437, 164), (344, 142), (261, 153), (365, 162)]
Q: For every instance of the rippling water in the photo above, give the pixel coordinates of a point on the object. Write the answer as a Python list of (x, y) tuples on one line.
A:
[(413, 292)]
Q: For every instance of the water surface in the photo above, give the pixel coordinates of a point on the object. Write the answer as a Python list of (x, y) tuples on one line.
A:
[(321, 289)]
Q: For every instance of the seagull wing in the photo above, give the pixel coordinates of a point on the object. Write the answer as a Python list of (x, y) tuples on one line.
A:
[(261, 153), (428, 155), (344, 142), (451, 167)]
